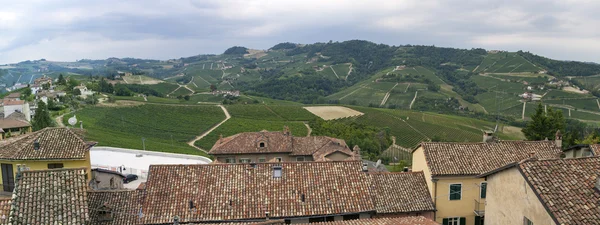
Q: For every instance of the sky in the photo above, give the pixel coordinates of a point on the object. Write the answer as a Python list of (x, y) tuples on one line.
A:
[(68, 30)]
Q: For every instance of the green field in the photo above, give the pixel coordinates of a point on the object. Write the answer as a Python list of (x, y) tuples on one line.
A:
[(558, 94), (591, 83), (164, 88), (584, 103), (166, 128), (239, 125), (505, 62), (181, 91), (411, 127), (539, 79)]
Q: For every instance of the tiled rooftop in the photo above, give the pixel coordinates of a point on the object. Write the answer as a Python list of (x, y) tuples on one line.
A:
[(123, 205), (566, 187), (4, 210), (596, 149), (279, 142), (400, 192), (50, 197), (54, 143), (445, 158), (410, 220), (220, 192)]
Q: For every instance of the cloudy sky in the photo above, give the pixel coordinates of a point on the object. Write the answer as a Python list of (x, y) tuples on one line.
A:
[(65, 30)]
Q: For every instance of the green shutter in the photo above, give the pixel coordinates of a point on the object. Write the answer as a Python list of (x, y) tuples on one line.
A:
[(455, 190), (478, 220), (445, 221), (463, 221), (483, 190)]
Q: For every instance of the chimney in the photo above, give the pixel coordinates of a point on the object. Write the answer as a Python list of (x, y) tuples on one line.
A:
[(405, 169), (558, 139), (356, 151), (365, 167), (531, 154), (488, 136), (286, 131), (176, 220), (36, 144), (267, 215), (220, 138)]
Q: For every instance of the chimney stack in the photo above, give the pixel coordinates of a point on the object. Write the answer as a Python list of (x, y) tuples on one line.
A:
[(356, 151), (286, 131), (488, 136), (220, 138), (365, 167), (558, 139)]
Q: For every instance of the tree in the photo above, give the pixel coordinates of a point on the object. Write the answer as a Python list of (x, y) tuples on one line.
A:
[(61, 80), (46, 86), (187, 97), (26, 93), (544, 125), (42, 118), (76, 92), (593, 138), (213, 88)]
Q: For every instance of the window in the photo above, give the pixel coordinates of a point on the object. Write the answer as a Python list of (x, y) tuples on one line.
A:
[(351, 217), (454, 221), (526, 221), (300, 159), (277, 172), (55, 165), (244, 160), (229, 160), (262, 145), (262, 160), (455, 191), (278, 159), (112, 182), (483, 190)]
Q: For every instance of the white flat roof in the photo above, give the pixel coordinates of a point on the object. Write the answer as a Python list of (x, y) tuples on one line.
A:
[(110, 156)]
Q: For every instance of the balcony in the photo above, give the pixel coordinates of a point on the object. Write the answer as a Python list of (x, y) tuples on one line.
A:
[(479, 207)]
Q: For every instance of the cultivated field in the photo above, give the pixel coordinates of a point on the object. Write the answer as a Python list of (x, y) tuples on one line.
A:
[(333, 112), (140, 79), (165, 128)]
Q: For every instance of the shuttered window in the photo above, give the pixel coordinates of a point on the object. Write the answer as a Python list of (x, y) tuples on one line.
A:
[(455, 191), (483, 190), (454, 221)]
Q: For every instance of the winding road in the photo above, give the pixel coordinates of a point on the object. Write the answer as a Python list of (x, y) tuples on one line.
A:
[(227, 117)]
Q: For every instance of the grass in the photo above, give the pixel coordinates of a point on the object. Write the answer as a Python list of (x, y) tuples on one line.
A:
[(590, 83), (166, 128), (164, 88), (584, 103), (252, 112), (411, 127), (506, 62), (558, 94), (181, 91), (239, 125), (292, 113)]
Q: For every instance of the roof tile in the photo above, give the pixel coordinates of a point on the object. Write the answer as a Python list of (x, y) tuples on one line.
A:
[(54, 143), (400, 192)]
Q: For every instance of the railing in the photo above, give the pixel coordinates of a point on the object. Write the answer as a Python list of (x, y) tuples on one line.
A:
[(480, 207)]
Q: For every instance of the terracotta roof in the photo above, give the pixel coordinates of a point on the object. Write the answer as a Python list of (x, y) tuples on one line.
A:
[(280, 142), (595, 149), (17, 116), (566, 188), (54, 143), (13, 123), (222, 192), (14, 95), (4, 210), (123, 205), (444, 158), (410, 220), (55, 196), (400, 192), (14, 102)]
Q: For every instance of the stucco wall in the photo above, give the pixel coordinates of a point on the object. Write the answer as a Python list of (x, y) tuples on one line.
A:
[(101, 181), (419, 164), (464, 207), (337, 156), (510, 199)]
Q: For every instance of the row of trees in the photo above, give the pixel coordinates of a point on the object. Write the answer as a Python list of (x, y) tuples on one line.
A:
[(544, 124)]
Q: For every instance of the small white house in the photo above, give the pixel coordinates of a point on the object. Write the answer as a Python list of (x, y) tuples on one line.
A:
[(84, 91)]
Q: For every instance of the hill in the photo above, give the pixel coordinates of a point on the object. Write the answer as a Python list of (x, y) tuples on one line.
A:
[(353, 72)]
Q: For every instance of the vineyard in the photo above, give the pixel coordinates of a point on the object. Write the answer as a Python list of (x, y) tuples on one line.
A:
[(163, 88), (165, 128), (411, 127), (270, 112), (558, 94), (239, 125)]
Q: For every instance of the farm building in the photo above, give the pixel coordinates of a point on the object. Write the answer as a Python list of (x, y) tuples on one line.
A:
[(265, 146)]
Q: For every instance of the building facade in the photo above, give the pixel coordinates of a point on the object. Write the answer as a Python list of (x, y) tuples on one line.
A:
[(103, 179), (49, 148), (265, 146), (451, 171)]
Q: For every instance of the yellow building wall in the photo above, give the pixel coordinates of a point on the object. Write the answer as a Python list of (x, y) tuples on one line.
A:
[(419, 164), (510, 199), (43, 165), (465, 207)]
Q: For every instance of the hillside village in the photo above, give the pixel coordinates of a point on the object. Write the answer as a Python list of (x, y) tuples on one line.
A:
[(300, 134)]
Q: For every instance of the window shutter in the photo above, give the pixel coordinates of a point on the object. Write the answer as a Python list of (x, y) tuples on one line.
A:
[(477, 220), (445, 221), (483, 190), (463, 221)]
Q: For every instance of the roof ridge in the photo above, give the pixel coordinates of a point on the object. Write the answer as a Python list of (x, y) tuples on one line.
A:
[(263, 163), (54, 170)]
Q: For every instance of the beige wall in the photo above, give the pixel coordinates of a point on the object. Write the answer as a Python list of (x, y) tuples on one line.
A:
[(510, 199), (577, 153), (101, 181), (464, 207), (256, 157), (419, 164), (337, 156)]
